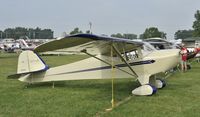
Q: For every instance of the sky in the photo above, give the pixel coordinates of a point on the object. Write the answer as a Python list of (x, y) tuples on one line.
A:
[(107, 16)]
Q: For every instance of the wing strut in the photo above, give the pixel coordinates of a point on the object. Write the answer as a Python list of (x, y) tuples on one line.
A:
[(113, 76), (119, 54), (85, 51)]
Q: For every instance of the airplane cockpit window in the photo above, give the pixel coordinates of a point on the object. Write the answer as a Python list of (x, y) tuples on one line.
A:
[(147, 48)]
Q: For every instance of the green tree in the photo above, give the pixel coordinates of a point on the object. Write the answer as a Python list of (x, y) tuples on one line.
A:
[(9, 33), (152, 32), (46, 34), (31, 33), (196, 24), (141, 36), (126, 36), (75, 31), (20, 32), (87, 32), (130, 36), (1, 34), (118, 35), (182, 34), (37, 33)]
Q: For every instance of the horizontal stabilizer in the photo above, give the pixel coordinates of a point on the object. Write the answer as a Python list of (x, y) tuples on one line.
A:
[(14, 76)]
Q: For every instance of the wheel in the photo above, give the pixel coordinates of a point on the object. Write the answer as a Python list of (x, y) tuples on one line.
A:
[(160, 83), (145, 90)]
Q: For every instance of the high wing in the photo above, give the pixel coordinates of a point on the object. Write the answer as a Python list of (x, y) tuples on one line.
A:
[(93, 44)]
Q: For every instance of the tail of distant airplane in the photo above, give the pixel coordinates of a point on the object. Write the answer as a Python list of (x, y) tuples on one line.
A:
[(23, 43), (29, 62)]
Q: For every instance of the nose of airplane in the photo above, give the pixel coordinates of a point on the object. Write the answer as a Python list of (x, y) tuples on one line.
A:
[(173, 58), (177, 56)]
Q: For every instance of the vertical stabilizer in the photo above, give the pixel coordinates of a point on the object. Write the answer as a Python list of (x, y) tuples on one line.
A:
[(30, 62)]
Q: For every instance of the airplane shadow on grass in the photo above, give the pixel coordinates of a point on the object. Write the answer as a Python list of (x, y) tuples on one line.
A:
[(120, 85)]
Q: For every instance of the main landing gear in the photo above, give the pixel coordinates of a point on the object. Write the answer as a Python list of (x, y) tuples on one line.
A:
[(149, 89), (145, 90)]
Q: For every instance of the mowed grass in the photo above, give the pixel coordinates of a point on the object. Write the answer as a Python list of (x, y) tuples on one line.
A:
[(88, 98)]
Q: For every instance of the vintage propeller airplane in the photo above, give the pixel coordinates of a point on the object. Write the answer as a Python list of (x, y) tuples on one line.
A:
[(105, 53)]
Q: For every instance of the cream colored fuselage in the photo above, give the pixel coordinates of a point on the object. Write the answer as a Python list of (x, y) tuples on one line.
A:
[(91, 68)]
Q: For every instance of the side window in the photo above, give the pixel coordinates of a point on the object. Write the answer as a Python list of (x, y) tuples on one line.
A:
[(131, 55), (134, 55)]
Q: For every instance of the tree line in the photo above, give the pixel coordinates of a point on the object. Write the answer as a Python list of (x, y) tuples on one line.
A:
[(38, 33), (31, 33), (149, 33)]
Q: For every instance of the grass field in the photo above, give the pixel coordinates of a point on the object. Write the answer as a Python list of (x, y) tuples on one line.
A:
[(181, 97)]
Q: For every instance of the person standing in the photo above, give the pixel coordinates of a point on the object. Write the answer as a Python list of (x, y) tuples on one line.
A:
[(183, 58)]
